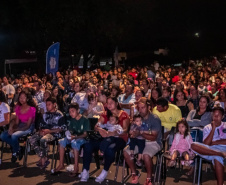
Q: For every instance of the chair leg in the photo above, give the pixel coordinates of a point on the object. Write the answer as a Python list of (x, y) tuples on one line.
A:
[(96, 158), (117, 167), (200, 171), (2, 148), (160, 168), (195, 170), (123, 170), (156, 168), (164, 169), (57, 155), (53, 154), (25, 153)]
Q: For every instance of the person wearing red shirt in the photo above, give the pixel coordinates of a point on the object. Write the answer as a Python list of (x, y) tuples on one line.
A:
[(133, 73)]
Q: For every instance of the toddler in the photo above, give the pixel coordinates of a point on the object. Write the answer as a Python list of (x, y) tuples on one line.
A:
[(138, 141)]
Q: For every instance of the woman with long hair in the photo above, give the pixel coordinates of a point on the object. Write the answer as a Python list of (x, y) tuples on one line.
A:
[(23, 125), (155, 94), (119, 142), (4, 110), (180, 100), (202, 115)]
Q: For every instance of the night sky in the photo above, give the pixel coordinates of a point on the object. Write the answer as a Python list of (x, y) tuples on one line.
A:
[(99, 26)]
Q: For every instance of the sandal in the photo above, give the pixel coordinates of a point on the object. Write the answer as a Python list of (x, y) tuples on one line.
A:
[(190, 172), (56, 172), (73, 174), (53, 173), (39, 164), (45, 164)]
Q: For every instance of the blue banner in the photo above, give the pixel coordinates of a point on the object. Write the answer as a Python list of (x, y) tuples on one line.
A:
[(52, 58)]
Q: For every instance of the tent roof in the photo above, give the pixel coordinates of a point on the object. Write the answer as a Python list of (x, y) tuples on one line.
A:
[(16, 61)]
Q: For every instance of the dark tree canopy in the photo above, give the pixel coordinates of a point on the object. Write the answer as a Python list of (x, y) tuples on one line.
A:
[(98, 26)]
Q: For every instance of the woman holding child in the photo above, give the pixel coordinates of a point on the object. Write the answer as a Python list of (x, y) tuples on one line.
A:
[(120, 139)]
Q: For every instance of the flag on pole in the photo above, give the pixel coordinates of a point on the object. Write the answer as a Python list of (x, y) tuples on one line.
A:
[(116, 56), (52, 58)]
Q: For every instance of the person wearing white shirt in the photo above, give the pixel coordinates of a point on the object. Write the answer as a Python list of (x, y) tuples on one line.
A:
[(9, 90), (4, 110), (213, 147), (127, 100), (82, 100)]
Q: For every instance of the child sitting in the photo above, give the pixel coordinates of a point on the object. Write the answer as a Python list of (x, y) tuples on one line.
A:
[(202, 88), (138, 141), (111, 126), (181, 145), (95, 108)]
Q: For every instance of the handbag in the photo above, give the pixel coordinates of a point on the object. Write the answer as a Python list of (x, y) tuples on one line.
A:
[(94, 135)]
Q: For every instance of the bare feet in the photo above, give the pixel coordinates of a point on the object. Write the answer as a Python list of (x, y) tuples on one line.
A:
[(73, 174), (191, 171)]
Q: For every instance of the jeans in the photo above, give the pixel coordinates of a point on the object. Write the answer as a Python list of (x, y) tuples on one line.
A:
[(109, 155), (106, 142), (12, 140)]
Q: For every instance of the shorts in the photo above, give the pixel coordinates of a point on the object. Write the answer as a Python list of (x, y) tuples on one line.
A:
[(218, 148), (151, 148), (75, 143)]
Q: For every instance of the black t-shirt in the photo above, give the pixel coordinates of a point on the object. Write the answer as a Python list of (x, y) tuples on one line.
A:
[(197, 116)]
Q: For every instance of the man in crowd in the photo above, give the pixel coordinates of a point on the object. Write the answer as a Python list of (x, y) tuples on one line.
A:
[(168, 113), (38, 92), (50, 128), (153, 141)]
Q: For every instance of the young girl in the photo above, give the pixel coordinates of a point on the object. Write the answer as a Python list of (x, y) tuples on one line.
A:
[(202, 88), (138, 141), (95, 108), (181, 145)]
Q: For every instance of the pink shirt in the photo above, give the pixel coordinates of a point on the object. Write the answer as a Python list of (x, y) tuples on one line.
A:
[(25, 117), (181, 144)]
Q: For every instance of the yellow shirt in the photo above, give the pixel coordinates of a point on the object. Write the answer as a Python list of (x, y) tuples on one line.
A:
[(170, 117)]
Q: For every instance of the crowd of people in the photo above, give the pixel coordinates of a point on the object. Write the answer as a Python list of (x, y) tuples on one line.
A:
[(131, 106)]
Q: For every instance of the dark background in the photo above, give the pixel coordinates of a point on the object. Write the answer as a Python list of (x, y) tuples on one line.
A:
[(98, 26)]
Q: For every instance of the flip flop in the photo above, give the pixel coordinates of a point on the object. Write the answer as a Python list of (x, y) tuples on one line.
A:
[(56, 173), (45, 164), (38, 164), (72, 174)]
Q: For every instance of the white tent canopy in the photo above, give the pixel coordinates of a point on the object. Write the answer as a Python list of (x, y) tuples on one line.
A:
[(17, 61)]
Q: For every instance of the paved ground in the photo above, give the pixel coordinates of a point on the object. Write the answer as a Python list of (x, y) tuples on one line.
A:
[(16, 174)]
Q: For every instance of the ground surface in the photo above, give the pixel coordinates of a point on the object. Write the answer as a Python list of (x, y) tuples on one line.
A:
[(16, 174)]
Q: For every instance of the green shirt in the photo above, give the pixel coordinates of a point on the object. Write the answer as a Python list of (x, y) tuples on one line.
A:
[(78, 127)]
